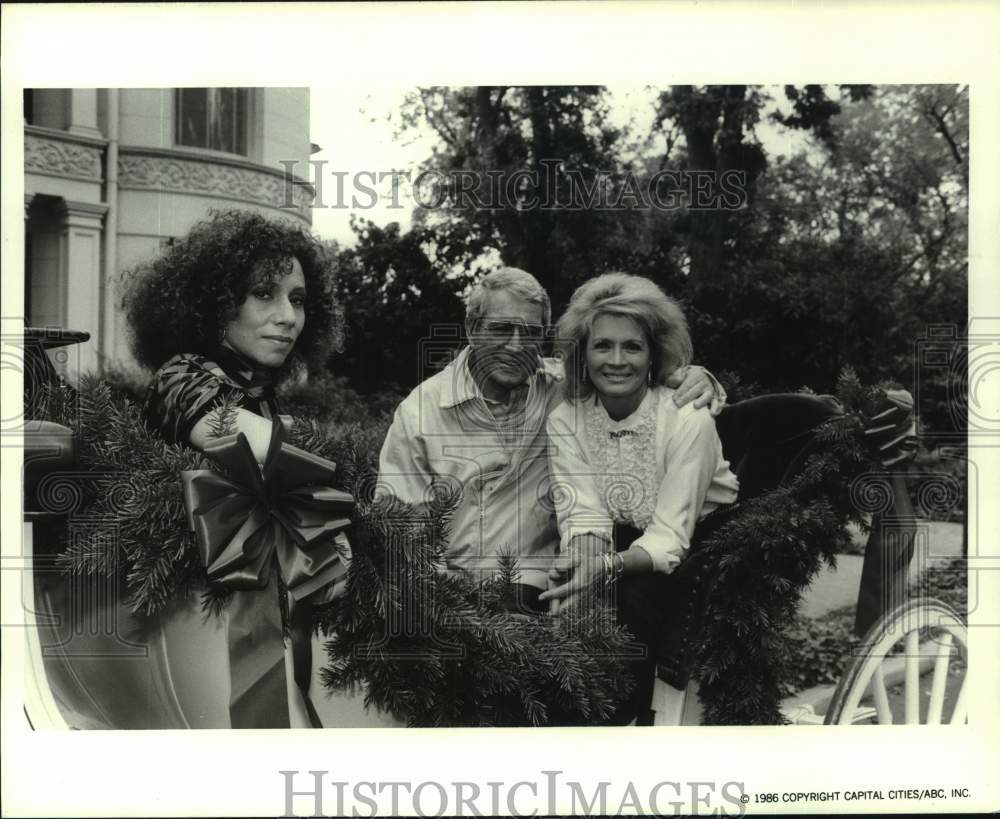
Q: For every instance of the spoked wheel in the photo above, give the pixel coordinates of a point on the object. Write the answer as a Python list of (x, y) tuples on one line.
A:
[(918, 649)]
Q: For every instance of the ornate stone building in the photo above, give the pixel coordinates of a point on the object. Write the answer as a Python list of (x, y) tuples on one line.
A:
[(114, 175)]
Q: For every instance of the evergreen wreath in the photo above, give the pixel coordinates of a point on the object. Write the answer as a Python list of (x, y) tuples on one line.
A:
[(128, 520), (468, 661), (436, 649)]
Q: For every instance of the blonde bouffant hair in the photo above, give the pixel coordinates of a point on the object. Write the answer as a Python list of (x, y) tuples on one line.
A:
[(638, 298)]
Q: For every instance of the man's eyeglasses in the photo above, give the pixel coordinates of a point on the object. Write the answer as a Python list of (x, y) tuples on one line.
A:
[(503, 330)]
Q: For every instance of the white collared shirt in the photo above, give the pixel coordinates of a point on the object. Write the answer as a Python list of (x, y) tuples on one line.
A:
[(444, 433)]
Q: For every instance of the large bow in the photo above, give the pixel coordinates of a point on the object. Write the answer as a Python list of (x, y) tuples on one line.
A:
[(249, 521), (283, 510)]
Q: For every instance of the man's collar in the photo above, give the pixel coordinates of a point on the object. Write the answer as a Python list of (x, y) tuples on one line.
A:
[(459, 385)]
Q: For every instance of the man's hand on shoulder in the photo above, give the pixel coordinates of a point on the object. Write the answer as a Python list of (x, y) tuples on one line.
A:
[(693, 383), (551, 368)]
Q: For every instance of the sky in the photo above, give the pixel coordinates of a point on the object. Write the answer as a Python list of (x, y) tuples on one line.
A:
[(356, 132)]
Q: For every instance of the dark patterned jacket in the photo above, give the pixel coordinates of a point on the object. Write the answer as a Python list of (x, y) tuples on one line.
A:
[(190, 385)]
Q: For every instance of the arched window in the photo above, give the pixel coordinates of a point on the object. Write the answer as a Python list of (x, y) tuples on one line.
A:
[(214, 118)]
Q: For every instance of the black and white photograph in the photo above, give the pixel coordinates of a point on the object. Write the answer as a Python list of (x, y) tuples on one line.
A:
[(573, 422)]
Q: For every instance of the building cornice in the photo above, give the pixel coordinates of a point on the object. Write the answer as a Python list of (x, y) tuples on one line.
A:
[(65, 136), (65, 155), (89, 215), (212, 174), (97, 209)]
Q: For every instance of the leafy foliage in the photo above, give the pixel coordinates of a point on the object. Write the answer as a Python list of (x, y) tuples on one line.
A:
[(843, 251), (847, 249), (401, 288), (329, 399)]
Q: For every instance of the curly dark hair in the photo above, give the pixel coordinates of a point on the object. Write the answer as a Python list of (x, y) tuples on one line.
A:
[(180, 302)]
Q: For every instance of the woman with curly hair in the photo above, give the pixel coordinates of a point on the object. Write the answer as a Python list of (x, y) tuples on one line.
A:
[(633, 471), (226, 313)]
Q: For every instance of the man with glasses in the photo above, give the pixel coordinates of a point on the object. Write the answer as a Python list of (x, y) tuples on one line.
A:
[(477, 430)]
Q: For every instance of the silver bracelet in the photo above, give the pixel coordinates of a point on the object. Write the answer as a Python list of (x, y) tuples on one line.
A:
[(610, 574)]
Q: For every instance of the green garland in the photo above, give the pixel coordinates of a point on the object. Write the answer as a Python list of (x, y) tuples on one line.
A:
[(511, 669), (436, 649), (130, 522), (767, 554)]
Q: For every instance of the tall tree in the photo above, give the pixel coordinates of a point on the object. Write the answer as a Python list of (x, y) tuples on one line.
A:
[(717, 122), (848, 252), (398, 289), (551, 148)]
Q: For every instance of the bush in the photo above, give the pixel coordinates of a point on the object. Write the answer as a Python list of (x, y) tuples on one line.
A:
[(819, 650), (948, 582), (129, 381), (330, 399)]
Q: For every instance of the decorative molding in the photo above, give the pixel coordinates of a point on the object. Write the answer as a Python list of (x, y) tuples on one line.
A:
[(243, 181), (97, 209), (57, 153), (88, 215)]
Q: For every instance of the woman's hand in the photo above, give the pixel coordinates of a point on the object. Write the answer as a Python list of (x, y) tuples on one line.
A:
[(694, 383), (256, 428), (572, 572), (585, 547), (578, 569)]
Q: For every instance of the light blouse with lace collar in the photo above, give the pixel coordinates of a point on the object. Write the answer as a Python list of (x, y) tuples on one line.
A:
[(624, 454), (660, 469)]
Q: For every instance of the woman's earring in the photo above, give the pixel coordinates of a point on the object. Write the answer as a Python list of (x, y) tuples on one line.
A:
[(586, 376), (649, 377)]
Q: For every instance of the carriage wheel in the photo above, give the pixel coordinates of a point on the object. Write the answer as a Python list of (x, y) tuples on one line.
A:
[(919, 635)]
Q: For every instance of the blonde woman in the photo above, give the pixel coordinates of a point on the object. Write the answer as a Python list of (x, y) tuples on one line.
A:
[(632, 472)]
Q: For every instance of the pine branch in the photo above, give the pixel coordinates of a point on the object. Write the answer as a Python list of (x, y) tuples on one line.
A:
[(222, 418)]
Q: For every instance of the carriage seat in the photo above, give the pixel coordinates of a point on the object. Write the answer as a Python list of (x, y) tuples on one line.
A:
[(767, 440)]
